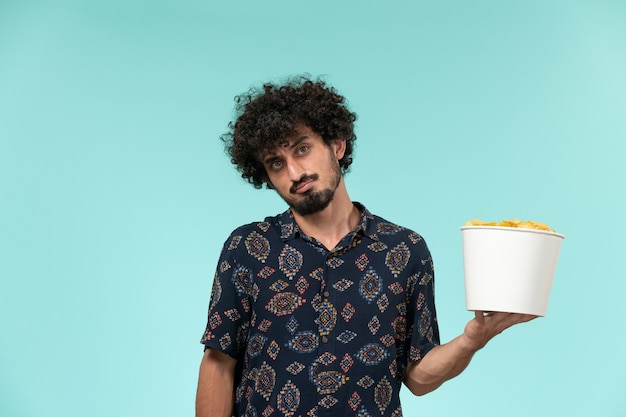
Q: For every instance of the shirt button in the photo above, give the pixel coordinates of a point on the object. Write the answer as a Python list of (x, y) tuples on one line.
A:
[(326, 294), (324, 339)]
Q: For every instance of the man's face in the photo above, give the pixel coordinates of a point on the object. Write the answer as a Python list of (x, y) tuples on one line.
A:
[(305, 171)]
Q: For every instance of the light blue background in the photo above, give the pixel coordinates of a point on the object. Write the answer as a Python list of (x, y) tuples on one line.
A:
[(116, 194)]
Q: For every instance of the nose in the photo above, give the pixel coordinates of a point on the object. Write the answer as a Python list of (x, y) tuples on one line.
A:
[(295, 170)]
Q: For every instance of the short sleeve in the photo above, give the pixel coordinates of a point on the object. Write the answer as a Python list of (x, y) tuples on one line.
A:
[(229, 308), (424, 329)]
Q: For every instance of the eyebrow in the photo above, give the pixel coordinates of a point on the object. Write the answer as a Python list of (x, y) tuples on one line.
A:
[(272, 157), (299, 140)]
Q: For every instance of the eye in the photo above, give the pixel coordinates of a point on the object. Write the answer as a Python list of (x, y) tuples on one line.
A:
[(276, 164), (303, 149)]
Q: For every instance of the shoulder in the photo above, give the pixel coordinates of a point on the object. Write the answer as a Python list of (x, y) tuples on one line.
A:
[(393, 234), (384, 227), (263, 227), (268, 229)]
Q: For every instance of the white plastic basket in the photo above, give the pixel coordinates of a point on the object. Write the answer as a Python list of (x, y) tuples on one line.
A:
[(509, 269)]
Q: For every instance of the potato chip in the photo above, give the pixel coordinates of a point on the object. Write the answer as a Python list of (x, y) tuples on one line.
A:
[(522, 224)]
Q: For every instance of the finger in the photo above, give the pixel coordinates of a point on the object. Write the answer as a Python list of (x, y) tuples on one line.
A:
[(526, 317), (506, 320), (480, 317)]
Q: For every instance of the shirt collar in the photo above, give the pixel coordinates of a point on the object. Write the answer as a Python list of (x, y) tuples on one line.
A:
[(367, 224)]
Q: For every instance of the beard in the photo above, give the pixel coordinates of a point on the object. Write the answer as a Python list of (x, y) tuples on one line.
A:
[(314, 201)]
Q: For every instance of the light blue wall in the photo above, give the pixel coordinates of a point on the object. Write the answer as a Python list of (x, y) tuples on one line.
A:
[(116, 195)]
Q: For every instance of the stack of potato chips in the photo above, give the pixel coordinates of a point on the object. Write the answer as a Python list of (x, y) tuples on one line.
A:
[(523, 224)]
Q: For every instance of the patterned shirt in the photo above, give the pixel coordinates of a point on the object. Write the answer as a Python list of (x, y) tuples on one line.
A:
[(319, 332)]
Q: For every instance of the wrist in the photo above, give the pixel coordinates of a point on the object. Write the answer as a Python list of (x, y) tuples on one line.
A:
[(470, 344)]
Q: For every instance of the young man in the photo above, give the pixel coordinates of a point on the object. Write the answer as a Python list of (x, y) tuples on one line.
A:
[(325, 309)]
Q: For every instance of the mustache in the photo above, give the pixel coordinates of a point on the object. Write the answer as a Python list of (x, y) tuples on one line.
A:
[(302, 179)]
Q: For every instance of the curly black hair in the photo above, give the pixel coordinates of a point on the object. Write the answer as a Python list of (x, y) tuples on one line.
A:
[(266, 116)]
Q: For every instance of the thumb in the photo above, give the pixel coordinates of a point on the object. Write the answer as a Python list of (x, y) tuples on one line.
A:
[(480, 317)]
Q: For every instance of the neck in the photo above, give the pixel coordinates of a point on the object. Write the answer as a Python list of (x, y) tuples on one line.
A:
[(330, 225)]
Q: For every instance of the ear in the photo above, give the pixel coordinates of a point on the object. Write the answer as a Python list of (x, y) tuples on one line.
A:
[(339, 148)]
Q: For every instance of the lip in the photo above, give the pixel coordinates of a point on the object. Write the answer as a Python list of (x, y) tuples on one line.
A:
[(304, 187)]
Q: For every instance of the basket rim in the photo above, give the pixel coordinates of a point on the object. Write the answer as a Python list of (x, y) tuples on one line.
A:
[(514, 229)]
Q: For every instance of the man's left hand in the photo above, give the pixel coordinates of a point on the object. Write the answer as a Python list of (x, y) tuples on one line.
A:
[(485, 325)]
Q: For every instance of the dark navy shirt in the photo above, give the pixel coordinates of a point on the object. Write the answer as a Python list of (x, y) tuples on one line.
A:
[(319, 332)]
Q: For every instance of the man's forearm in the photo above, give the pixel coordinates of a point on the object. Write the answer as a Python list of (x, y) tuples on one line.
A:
[(447, 361), (439, 365), (215, 385)]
